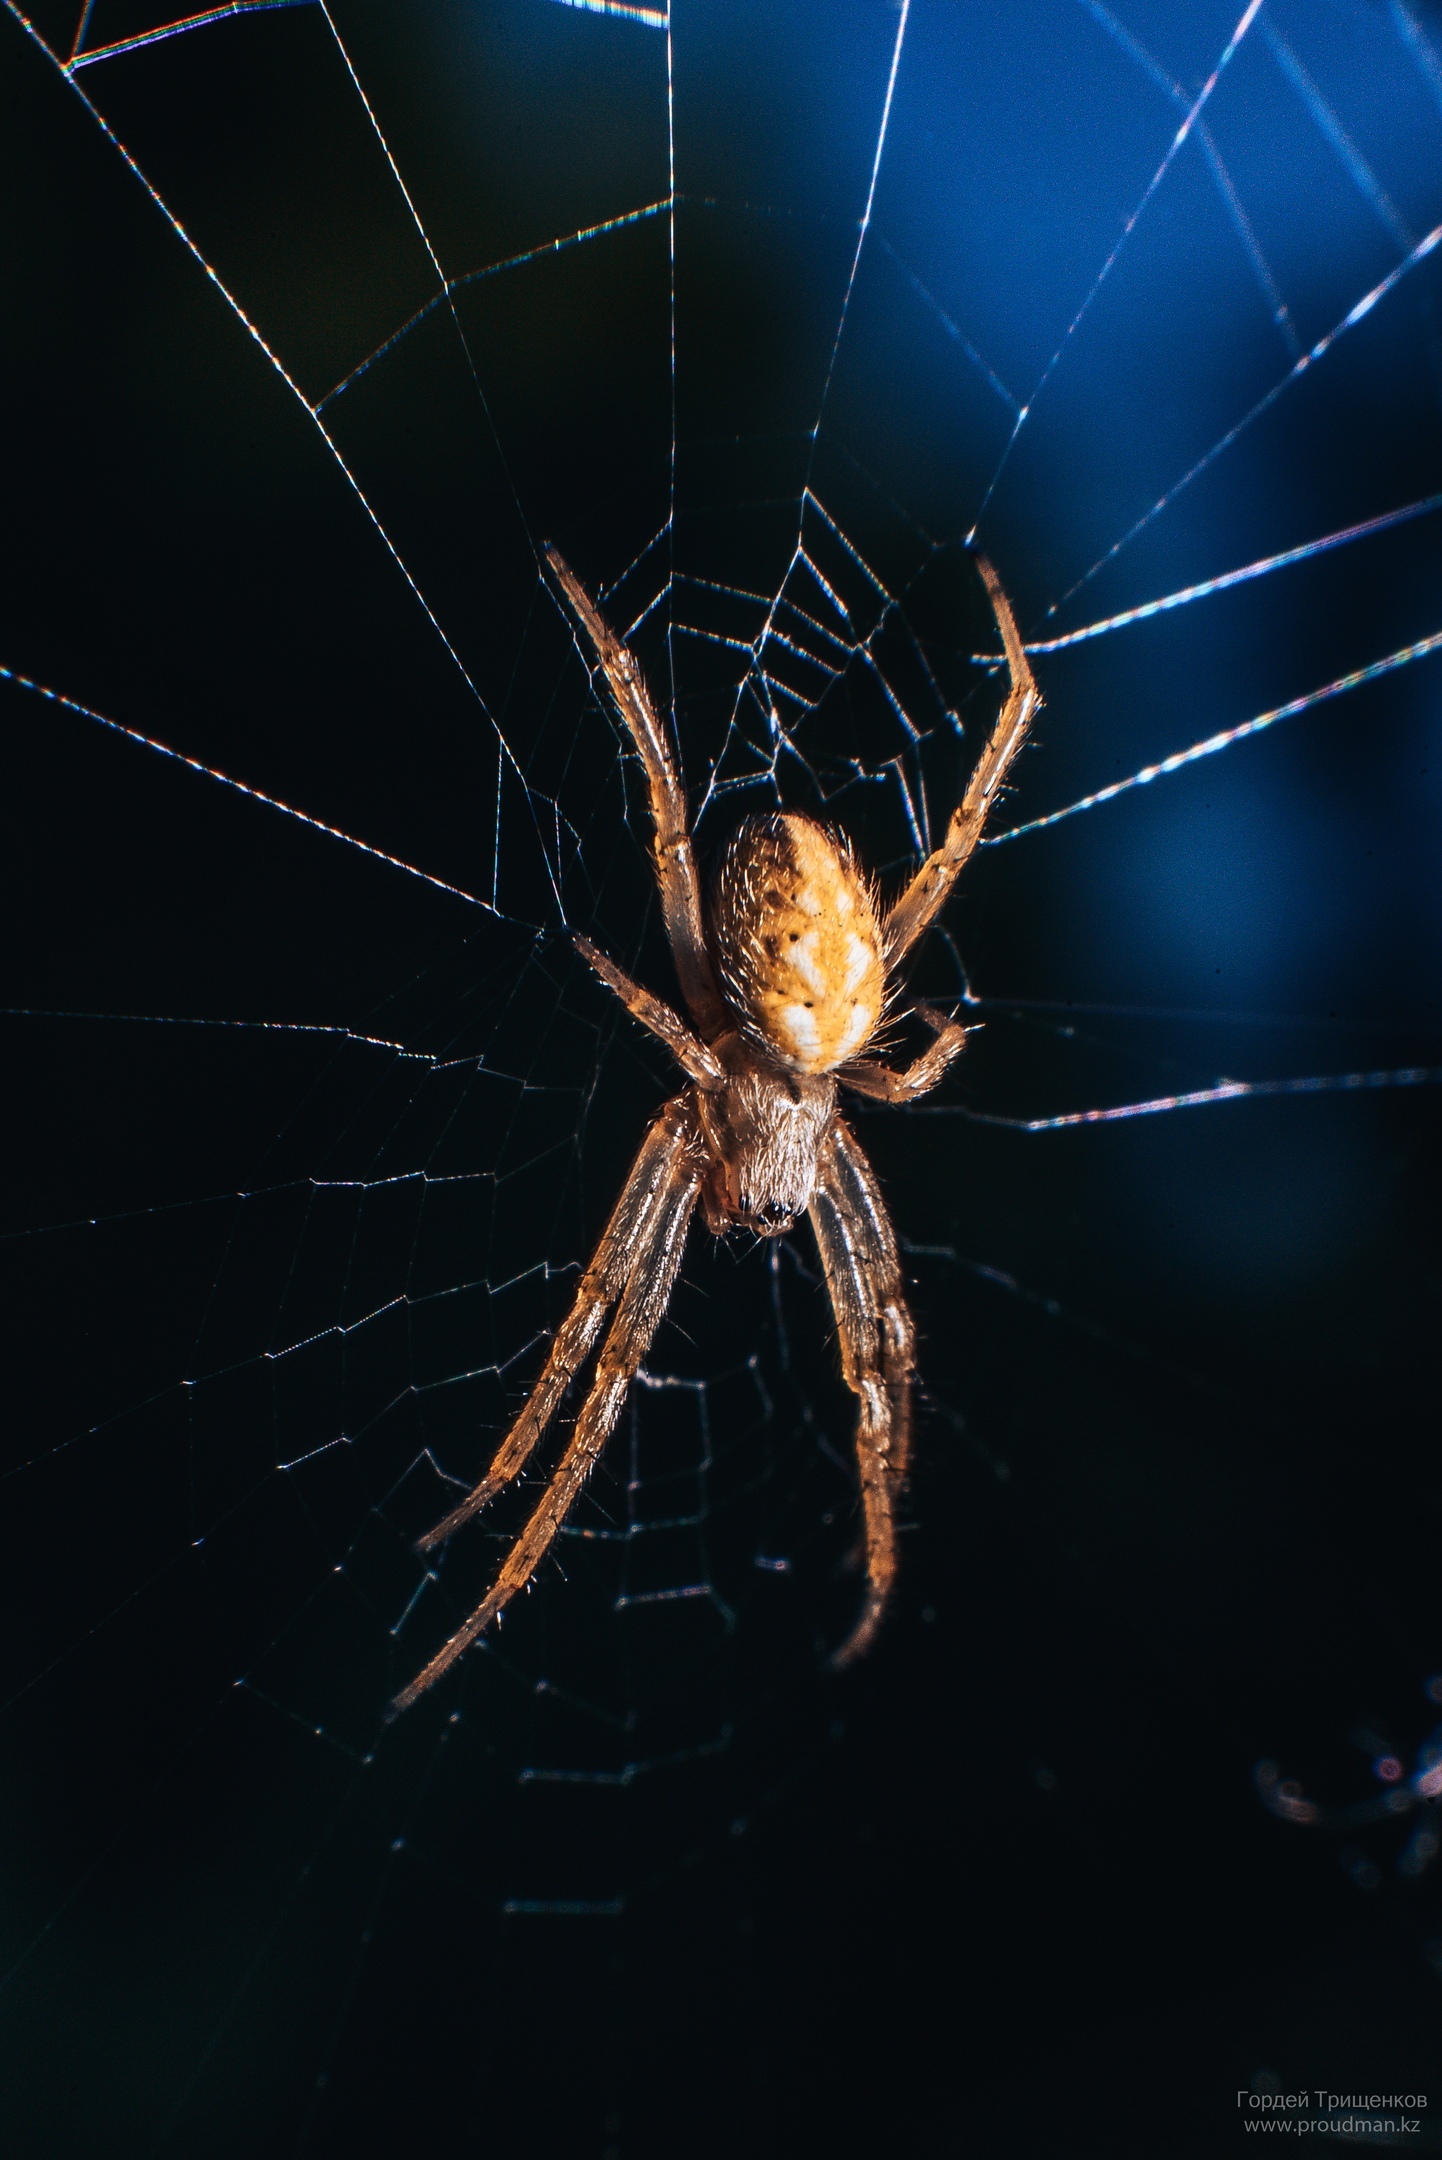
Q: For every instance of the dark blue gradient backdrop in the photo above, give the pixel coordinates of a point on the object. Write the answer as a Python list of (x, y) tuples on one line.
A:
[(320, 322)]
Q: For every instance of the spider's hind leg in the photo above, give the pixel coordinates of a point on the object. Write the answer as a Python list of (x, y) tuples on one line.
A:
[(918, 907), (673, 857)]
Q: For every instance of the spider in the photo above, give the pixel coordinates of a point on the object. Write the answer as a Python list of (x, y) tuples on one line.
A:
[(786, 978)]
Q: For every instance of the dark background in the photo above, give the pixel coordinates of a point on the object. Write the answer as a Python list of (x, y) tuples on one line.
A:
[(642, 1877)]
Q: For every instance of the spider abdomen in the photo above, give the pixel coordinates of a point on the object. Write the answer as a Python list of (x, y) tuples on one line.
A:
[(798, 943)]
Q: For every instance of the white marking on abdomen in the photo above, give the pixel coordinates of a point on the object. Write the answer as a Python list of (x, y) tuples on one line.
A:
[(857, 1029), (859, 957), (803, 959), (800, 1025)]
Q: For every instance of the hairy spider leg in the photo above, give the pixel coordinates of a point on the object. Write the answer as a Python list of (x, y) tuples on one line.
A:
[(691, 1054), (863, 1275), (866, 1077), (655, 1260), (673, 857), (918, 907), (629, 1232)]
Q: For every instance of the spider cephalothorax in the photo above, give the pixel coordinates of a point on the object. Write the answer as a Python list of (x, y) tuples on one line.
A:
[(786, 978), (763, 1127)]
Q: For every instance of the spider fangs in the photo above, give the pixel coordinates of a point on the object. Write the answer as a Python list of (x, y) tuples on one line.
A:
[(785, 980)]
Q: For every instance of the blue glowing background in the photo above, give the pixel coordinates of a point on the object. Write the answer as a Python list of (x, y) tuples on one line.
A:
[(323, 318)]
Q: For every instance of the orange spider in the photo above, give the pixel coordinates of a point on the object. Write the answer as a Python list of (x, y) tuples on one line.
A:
[(785, 978)]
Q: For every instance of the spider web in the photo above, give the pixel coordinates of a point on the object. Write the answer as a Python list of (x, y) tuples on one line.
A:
[(331, 317)]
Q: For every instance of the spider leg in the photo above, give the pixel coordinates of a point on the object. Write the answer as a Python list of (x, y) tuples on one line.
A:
[(653, 1256), (673, 856), (644, 1197), (690, 1053), (926, 895), (919, 1077), (863, 1275)]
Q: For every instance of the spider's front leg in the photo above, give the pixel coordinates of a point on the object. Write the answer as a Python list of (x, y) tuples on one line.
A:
[(635, 1265), (878, 1343)]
